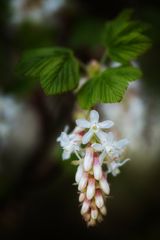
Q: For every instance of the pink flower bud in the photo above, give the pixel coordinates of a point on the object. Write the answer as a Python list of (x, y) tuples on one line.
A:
[(88, 159), (91, 223), (99, 199), (85, 206), (103, 210), (91, 188), (83, 182), (79, 173), (81, 197), (94, 213), (87, 216), (97, 170), (99, 218), (104, 185)]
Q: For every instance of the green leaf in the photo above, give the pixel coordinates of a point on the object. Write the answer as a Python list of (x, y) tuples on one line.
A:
[(108, 87), (125, 39), (56, 68)]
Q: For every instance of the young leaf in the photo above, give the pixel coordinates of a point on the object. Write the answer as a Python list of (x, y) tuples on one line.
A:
[(125, 39), (56, 68), (108, 87)]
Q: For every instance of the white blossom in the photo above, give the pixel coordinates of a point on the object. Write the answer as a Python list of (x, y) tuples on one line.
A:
[(93, 126), (113, 167), (112, 148), (69, 143)]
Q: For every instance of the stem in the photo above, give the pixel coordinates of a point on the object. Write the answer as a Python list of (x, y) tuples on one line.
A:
[(77, 155)]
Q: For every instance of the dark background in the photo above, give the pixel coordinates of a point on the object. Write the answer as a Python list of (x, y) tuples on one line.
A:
[(37, 198)]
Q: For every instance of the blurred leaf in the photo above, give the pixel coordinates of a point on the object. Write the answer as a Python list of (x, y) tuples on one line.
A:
[(56, 68), (108, 87), (125, 39)]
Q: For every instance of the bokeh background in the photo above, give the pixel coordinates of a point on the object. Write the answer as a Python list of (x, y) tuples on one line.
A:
[(37, 198)]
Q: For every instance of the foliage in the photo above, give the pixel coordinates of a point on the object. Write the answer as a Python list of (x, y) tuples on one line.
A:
[(125, 39), (109, 86), (58, 69)]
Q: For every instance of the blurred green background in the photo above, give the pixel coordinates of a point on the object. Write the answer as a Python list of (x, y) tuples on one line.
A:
[(37, 197)]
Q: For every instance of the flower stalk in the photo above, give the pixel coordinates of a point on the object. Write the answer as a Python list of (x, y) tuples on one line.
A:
[(94, 149)]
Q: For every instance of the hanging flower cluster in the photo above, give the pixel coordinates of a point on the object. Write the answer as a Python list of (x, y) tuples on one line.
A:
[(94, 147)]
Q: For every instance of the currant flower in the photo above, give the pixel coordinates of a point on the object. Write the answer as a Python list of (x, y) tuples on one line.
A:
[(113, 167), (93, 126), (96, 150), (70, 144), (113, 149)]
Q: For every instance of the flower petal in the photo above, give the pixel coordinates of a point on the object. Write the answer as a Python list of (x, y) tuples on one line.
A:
[(87, 137), (101, 135), (64, 139), (66, 155), (109, 138), (106, 124), (94, 116), (122, 143), (102, 157), (83, 123), (98, 147)]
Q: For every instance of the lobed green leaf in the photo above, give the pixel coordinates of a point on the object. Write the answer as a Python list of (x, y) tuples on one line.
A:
[(125, 39), (56, 68), (108, 87)]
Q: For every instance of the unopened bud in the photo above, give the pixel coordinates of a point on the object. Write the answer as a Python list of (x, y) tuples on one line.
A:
[(91, 223), (79, 173), (88, 159), (103, 210), (85, 206), (94, 213), (81, 197), (99, 218), (97, 169), (83, 182), (91, 188), (99, 199), (104, 185), (87, 217)]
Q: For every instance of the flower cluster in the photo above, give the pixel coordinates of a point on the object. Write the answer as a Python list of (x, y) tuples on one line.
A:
[(94, 149)]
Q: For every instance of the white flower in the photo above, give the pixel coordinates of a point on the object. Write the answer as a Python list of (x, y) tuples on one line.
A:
[(70, 144), (93, 125), (112, 148), (113, 167)]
